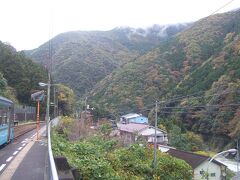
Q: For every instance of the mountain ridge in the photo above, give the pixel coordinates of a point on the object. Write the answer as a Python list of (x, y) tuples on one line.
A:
[(81, 53), (122, 74), (202, 58)]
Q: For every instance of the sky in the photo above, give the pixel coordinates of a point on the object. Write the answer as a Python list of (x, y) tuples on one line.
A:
[(26, 24)]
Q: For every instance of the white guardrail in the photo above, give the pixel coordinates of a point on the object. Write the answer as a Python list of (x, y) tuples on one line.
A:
[(53, 175)]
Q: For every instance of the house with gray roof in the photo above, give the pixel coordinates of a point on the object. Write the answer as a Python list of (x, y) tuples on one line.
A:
[(132, 131)]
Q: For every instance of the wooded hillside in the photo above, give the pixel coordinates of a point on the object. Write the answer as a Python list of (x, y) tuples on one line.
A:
[(127, 70), (203, 60), (19, 75)]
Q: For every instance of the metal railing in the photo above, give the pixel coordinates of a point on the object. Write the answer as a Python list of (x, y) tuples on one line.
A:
[(53, 175)]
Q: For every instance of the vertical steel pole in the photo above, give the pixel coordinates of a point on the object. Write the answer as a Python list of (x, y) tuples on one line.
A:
[(155, 138), (25, 114), (38, 110), (237, 160), (48, 102), (9, 123), (85, 103), (54, 101), (57, 104)]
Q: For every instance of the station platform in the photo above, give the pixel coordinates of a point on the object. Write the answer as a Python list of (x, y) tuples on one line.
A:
[(29, 158)]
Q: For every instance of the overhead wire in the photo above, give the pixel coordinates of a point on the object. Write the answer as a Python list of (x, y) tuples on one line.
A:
[(150, 107), (195, 97), (191, 96), (223, 6)]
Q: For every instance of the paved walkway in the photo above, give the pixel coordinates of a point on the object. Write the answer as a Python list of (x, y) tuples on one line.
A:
[(31, 162)]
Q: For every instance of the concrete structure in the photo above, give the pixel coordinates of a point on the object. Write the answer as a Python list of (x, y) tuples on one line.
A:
[(134, 118), (25, 158)]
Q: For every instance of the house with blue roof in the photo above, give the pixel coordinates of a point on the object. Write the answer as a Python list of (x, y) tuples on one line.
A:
[(134, 118)]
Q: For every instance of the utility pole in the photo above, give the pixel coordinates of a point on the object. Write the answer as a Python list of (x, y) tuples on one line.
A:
[(237, 159), (54, 100), (85, 103), (155, 137), (25, 113), (38, 118), (48, 103)]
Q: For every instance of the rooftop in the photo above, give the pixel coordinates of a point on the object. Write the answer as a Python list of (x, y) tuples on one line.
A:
[(194, 160), (130, 115), (151, 132), (132, 127)]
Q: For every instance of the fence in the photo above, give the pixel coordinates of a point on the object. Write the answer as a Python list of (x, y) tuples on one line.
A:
[(24, 113)]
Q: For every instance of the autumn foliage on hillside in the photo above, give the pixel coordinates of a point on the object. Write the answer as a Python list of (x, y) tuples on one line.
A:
[(202, 60)]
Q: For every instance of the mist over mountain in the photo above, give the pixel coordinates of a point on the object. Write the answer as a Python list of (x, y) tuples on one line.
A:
[(80, 59), (203, 60), (127, 70)]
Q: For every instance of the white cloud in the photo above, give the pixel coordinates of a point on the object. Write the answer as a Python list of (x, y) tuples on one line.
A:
[(26, 24)]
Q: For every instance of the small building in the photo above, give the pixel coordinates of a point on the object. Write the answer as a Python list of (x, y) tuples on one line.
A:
[(200, 164), (132, 131), (134, 118), (149, 133)]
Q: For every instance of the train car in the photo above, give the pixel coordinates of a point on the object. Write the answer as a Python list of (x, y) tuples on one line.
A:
[(6, 120)]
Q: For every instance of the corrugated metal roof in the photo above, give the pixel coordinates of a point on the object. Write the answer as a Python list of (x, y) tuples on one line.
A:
[(192, 159), (132, 127), (5, 102), (151, 132), (130, 115)]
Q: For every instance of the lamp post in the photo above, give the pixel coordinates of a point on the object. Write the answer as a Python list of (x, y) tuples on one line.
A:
[(155, 138), (237, 159), (55, 100), (218, 154)]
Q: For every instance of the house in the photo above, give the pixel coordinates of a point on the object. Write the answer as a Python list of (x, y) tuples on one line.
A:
[(134, 118), (132, 131), (149, 133), (200, 164)]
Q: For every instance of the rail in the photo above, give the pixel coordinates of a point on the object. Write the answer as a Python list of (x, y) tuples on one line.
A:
[(21, 129), (53, 175)]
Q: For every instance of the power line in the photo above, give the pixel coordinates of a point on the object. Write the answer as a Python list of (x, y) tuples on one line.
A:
[(205, 112), (191, 96), (151, 106), (214, 12), (187, 108), (202, 106)]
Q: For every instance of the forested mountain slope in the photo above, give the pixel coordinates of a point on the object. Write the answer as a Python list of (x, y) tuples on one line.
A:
[(81, 59), (126, 70), (203, 58), (19, 75)]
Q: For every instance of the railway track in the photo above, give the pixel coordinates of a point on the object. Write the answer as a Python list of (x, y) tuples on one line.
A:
[(23, 128)]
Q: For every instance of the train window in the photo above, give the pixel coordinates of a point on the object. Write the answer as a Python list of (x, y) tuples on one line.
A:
[(5, 118)]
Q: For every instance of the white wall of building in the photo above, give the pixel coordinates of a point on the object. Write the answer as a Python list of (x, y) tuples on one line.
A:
[(213, 168), (161, 137)]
